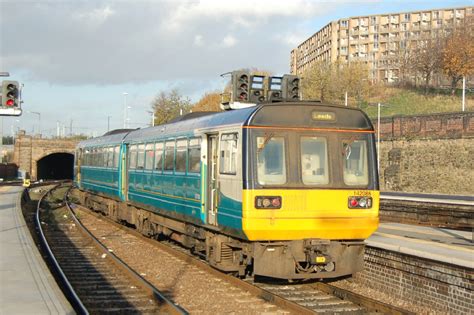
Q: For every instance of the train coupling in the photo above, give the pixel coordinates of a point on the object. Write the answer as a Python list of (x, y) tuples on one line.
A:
[(317, 254)]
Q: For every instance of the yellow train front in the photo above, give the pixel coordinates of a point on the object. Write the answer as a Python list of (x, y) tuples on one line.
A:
[(310, 196)]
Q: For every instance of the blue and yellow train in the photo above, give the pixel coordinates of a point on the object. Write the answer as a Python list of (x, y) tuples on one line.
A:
[(286, 190)]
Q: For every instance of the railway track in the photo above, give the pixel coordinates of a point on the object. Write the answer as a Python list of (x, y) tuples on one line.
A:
[(95, 281), (299, 298)]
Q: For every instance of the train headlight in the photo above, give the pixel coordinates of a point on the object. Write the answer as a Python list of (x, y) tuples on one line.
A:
[(268, 202), (356, 202)]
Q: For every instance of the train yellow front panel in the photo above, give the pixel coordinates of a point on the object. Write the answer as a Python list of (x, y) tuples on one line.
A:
[(309, 214)]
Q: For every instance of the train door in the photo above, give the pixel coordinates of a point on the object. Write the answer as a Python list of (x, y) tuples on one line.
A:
[(123, 172), (212, 184)]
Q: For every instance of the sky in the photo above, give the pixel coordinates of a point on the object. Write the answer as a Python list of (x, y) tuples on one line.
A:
[(83, 62)]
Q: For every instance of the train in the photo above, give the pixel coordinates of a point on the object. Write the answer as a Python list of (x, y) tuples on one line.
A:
[(285, 190)]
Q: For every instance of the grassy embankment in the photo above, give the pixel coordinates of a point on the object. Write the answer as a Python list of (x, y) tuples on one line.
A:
[(398, 101)]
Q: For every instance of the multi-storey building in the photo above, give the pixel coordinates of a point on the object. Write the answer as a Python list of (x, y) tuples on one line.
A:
[(374, 39)]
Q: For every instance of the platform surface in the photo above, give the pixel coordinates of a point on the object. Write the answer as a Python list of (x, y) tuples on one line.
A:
[(444, 245), (26, 285)]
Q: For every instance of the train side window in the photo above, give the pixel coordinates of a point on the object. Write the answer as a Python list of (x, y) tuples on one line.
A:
[(181, 148), (271, 160), (133, 156), (159, 156), (110, 157), (356, 166), (94, 157), (169, 155), (314, 161), (102, 155), (149, 156), (228, 156), (141, 157), (194, 155), (86, 157), (116, 156)]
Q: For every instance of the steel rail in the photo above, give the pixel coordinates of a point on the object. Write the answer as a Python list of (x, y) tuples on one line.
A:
[(70, 293), (255, 289), (168, 305)]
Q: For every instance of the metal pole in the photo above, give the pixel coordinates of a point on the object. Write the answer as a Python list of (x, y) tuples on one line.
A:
[(378, 137), (108, 123), (463, 93), (125, 110), (345, 102)]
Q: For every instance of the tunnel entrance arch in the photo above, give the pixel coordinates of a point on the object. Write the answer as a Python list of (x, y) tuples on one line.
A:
[(55, 166)]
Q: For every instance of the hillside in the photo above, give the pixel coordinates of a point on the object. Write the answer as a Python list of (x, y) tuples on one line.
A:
[(397, 101)]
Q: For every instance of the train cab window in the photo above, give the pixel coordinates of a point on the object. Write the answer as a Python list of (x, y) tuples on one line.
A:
[(356, 171), (194, 155), (141, 157), (110, 157), (314, 161), (149, 156), (133, 156), (159, 156), (87, 157), (271, 162), (181, 148), (116, 156), (169, 155), (228, 156)]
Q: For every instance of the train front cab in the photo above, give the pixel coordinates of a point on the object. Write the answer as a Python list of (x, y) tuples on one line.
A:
[(311, 193)]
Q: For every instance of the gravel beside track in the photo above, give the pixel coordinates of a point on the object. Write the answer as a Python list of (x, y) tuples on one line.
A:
[(195, 290), (102, 285)]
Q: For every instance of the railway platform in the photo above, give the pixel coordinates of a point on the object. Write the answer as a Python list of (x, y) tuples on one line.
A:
[(438, 244), (26, 284)]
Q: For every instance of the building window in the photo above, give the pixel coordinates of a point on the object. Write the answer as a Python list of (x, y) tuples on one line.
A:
[(407, 17), (344, 23), (373, 19)]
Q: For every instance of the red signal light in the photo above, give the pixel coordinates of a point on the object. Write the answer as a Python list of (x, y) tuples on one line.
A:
[(10, 102)]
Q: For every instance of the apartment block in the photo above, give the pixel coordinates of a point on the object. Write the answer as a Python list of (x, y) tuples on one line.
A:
[(375, 39)]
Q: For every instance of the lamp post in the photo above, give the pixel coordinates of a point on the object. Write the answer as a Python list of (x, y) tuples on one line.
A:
[(125, 110), (39, 120), (108, 123)]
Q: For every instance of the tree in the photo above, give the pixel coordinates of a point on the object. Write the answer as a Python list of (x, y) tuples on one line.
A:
[(353, 78), (458, 56), (426, 59), (168, 106), (210, 102), (317, 81)]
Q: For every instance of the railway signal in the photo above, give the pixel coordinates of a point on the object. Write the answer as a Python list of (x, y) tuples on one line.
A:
[(274, 93), (240, 86), (257, 92), (291, 87), (10, 104)]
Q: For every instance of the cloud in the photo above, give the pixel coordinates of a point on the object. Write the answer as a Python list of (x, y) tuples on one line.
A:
[(103, 43), (229, 41)]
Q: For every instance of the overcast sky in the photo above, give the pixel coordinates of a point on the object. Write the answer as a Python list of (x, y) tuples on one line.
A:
[(77, 58)]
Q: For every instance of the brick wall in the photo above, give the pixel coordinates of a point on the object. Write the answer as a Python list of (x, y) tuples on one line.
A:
[(433, 126), (428, 153), (443, 288), (28, 150)]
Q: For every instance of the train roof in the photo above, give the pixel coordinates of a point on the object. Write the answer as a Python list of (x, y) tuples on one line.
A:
[(286, 114)]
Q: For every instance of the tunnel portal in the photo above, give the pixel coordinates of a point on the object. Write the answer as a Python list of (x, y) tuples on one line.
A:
[(55, 166)]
